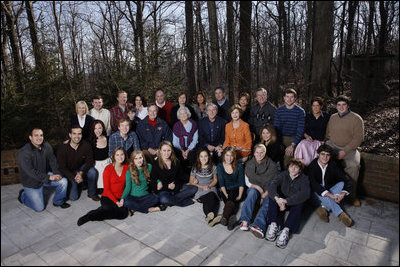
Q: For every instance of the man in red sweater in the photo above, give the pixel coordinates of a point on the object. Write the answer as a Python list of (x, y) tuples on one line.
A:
[(164, 107)]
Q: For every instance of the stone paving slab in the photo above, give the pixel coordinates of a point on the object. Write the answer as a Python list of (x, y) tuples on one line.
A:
[(179, 236)]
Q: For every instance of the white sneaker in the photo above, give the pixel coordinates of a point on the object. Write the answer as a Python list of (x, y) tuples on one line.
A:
[(272, 231), (283, 239)]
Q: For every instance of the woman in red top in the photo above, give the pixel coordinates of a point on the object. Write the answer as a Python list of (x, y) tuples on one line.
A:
[(114, 184)]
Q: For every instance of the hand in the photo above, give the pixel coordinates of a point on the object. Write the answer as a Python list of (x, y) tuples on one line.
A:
[(289, 151), (120, 203), (339, 197), (195, 181), (78, 178), (308, 138), (211, 148), (238, 198), (171, 186), (341, 154), (264, 195), (205, 188), (153, 151), (159, 186), (55, 177)]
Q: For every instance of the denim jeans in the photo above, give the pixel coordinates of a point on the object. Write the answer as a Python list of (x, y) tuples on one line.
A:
[(34, 199), (329, 203), (261, 219), (75, 189), (182, 199), (141, 204), (249, 203)]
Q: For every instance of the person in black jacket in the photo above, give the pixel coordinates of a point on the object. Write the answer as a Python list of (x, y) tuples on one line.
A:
[(38, 167), (168, 179), (330, 185)]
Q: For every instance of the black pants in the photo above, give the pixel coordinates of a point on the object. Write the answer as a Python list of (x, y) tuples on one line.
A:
[(231, 204), (107, 210), (210, 203)]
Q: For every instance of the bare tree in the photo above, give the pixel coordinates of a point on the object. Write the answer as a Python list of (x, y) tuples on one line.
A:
[(245, 47), (190, 49), (214, 41)]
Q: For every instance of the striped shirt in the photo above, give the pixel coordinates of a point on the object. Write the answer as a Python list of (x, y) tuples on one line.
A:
[(290, 122)]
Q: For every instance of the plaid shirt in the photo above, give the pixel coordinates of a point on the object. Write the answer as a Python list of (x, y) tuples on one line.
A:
[(116, 114), (116, 140)]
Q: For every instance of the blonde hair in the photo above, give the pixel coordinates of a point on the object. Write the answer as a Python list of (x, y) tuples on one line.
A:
[(81, 103), (174, 159), (135, 171)]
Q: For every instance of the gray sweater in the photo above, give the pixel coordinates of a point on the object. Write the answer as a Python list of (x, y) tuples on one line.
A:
[(295, 191), (261, 174), (34, 164)]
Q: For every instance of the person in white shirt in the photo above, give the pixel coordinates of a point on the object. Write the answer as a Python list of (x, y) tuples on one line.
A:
[(100, 113), (141, 110)]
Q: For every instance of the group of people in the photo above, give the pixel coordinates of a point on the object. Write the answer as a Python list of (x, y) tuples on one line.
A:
[(144, 159)]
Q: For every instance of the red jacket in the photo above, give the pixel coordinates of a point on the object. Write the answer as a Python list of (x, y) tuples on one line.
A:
[(114, 185)]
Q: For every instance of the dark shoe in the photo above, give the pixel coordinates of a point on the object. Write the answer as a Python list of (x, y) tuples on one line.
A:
[(95, 198), (63, 205), (323, 214), (231, 222), (224, 221), (20, 195), (82, 220), (163, 207), (131, 212)]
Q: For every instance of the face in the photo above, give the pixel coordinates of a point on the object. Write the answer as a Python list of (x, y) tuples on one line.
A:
[(160, 97), (183, 115), (324, 157), (219, 94), (211, 112), (124, 127), (200, 98), (243, 101), (122, 98), (75, 135), (228, 157), (138, 101), (81, 110), (138, 160), (261, 97), (316, 107), (98, 129), (36, 137), (182, 100), (266, 135), (235, 115), (131, 115), (294, 169), (152, 113), (289, 99), (119, 156), (165, 152), (97, 104), (342, 107), (203, 158), (259, 154)]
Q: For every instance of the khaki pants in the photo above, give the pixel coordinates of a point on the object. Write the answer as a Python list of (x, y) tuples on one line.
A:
[(351, 163)]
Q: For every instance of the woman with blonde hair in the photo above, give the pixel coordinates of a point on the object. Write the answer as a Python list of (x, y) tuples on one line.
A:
[(168, 179), (83, 119), (136, 196)]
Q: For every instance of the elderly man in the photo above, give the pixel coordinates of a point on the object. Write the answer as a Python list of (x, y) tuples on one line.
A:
[(345, 133), (38, 167), (152, 130), (262, 113)]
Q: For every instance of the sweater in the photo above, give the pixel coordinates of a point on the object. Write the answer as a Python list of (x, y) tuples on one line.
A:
[(133, 189), (290, 122), (165, 176), (346, 132), (113, 183), (261, 174), (295, 191), (233, 180)]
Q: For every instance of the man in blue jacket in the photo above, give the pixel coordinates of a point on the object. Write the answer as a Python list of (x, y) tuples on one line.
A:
[(38, 168), (151, 131)]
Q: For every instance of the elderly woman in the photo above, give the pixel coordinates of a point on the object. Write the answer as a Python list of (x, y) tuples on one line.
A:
[(83, 119), (237, 134), (185, 137)]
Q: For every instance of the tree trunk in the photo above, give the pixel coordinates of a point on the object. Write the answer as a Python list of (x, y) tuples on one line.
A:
[(350, 39), (214, 44), (231, 46), (322, 49), (245, 47), (202, 45), (339, 73), (191, 82), (34, 39), (370, 26), (383, 12)]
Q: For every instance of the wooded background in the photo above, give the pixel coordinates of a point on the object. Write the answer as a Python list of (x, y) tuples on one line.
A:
[(55, 53)]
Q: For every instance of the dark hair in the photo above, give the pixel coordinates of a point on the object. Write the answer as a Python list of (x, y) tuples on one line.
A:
[(75, 126), (115, 151), (144, 102), (97, 97), (210, 163), (342, 98), (291, 91), (200, 93), (130, 108), (93, 137), (318, 99), (219, 87), (174, 159), (34, 128), (325, 148), (297, 162), (183, 93)]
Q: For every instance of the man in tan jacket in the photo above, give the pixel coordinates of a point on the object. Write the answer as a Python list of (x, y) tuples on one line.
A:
[(345, 133)]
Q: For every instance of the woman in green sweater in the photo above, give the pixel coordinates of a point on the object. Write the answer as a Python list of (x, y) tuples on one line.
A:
[(136, 196)]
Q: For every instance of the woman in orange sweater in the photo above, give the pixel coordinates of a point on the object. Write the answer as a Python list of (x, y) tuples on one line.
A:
[(237, 134)]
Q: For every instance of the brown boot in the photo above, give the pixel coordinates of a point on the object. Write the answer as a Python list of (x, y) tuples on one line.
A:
[(346, 220), (228, 209), (356, 202), (323, 214)]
